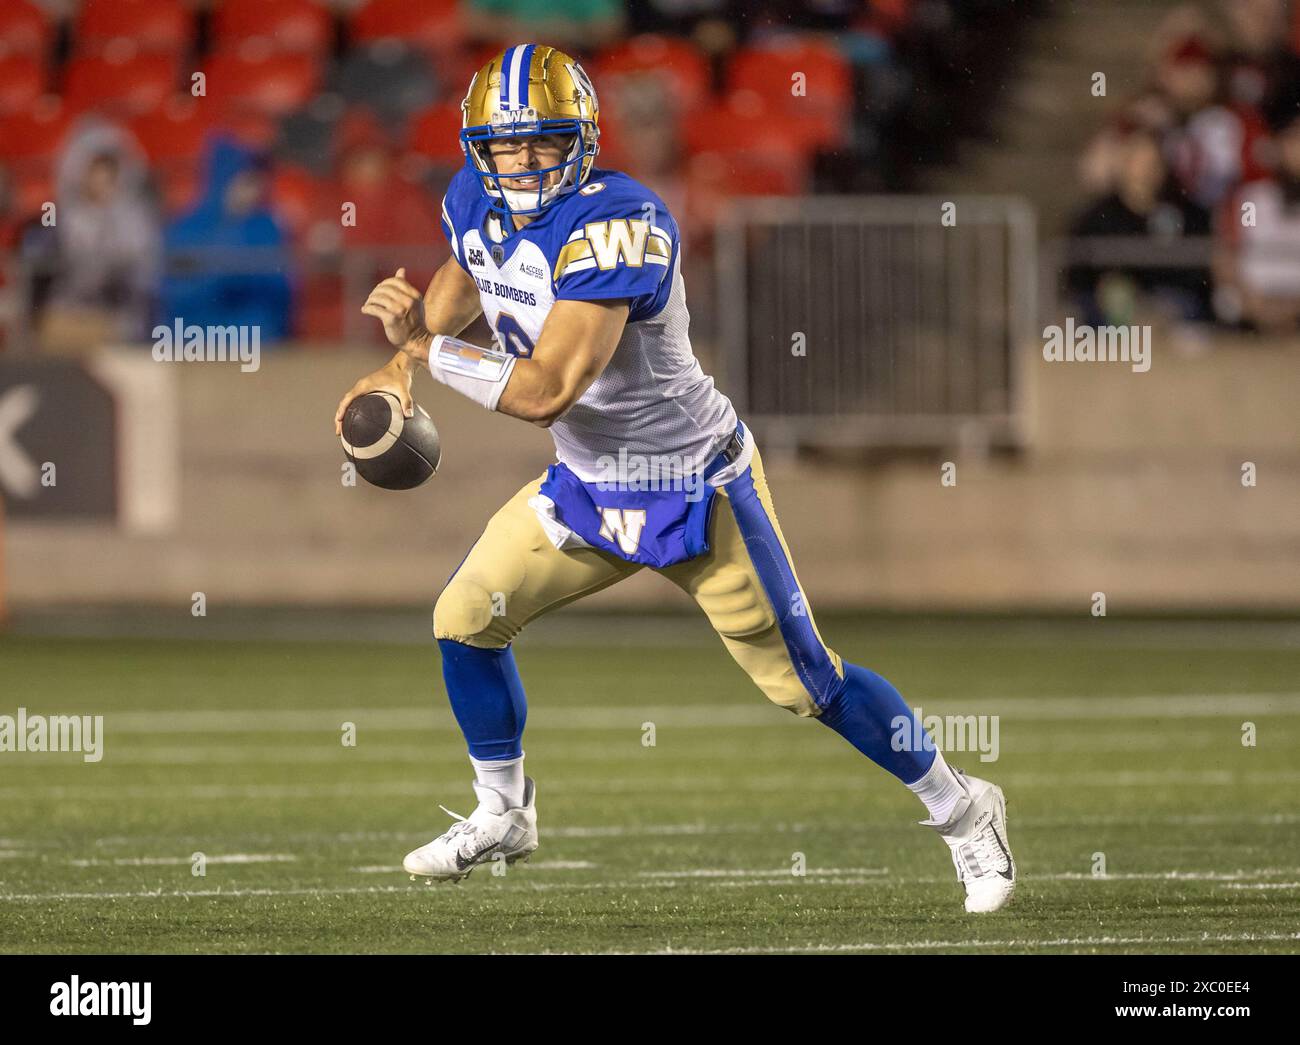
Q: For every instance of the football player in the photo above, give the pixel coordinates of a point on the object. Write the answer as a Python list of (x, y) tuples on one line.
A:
[(577, 270)]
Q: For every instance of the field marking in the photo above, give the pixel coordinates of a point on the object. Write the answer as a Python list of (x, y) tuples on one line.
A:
[(780, 827), (1189, 876), (1077, 941), (168, 861), (727, 872), (329, 753), (1263, 885), (533, 865), (691, 716), (776, 782), (742, 878)]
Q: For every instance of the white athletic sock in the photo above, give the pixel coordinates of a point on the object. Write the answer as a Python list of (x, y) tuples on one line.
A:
[(939, 789), (505, 777)]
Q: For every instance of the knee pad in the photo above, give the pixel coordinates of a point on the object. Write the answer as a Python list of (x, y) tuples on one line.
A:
[(465, 612), (735, 603)]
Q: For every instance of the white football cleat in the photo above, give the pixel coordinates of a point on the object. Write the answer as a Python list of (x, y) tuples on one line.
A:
[(478, 838), (977, 835)]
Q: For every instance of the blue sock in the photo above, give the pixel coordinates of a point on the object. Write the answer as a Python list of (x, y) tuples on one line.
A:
[(870, 714), (487, 698)]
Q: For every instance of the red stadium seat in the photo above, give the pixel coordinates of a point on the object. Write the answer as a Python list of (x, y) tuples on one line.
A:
[(33, 187), (295, 198), (286, 25), (432, 24), (270, 86), (135, 85), (805, 77), (173, 132), (720, 176), (180, 185), (22, 81), (435, 134), (683, 66), (35, 133), (744, 124), (24, 29), (149, 25)]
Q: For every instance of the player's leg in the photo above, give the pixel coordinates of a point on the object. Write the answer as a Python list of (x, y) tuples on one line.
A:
[(511, 575), (747, 586)]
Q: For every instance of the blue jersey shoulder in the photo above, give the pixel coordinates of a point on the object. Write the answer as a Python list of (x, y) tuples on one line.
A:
[(614, 238), (463, 208)]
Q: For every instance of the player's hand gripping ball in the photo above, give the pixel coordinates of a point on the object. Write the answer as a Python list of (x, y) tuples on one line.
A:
[(390, 450)]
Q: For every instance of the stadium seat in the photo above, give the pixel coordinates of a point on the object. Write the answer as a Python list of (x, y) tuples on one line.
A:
[(33, 187), (136, 85), (35, 133), (180, 185), (433, 25), (270, 86), (286, 25), (717, 176), (744, 124), (22, 81), (174, 131), (24, 29), (392, 79), (296, 199), (435, 134), (683, 66), (148, 25), (825, 78)]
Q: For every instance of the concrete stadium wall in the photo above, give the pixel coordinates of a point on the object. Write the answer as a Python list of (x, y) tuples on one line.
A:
[(1131, 486)]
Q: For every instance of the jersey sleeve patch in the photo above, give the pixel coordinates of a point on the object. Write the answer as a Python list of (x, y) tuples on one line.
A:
[(620, 253)]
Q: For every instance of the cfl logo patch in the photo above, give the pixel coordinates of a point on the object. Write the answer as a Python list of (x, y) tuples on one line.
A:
[(624, 526)]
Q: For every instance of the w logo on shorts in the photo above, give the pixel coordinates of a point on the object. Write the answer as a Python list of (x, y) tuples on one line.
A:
[(623, 525)]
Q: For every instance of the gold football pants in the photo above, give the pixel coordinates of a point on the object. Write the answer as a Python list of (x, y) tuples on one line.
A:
[(745, 584)]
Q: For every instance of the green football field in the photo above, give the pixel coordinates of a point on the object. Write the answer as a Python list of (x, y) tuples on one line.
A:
[(1120, 746)]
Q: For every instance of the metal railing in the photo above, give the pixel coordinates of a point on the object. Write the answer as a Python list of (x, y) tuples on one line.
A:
[(865, 321)]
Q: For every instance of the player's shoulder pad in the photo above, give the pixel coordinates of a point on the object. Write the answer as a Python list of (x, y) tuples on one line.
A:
[(462, 197), (614, 221)]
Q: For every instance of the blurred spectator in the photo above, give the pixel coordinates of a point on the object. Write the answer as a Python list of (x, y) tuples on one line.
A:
[(571, 25), (226, 257), (1258, 267), (1261, 70), (1203, 140), (96, 266), (1144, 204)]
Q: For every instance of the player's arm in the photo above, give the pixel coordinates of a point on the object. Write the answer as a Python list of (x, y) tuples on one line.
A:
[(577, 342), (451, 303)]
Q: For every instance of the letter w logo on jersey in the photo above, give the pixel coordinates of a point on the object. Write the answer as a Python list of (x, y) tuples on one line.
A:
[(623, 525), (619, 239)]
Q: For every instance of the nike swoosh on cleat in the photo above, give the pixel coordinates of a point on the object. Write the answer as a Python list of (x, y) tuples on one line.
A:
[(463, 862), (1007, 873)]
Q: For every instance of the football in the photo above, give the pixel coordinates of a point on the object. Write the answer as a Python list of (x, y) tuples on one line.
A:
[(390, 450)]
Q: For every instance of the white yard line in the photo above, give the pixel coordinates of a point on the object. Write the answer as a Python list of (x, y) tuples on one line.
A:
[(779, 872), (1076, 941), (533, 865), (795, 783), (717, 877), (168, 861), (690, 716)]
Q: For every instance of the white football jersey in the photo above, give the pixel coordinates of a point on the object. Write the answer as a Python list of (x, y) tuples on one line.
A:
[(613, 238)]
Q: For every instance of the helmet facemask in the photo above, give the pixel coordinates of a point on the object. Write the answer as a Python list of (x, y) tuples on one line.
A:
[(502, 196)]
